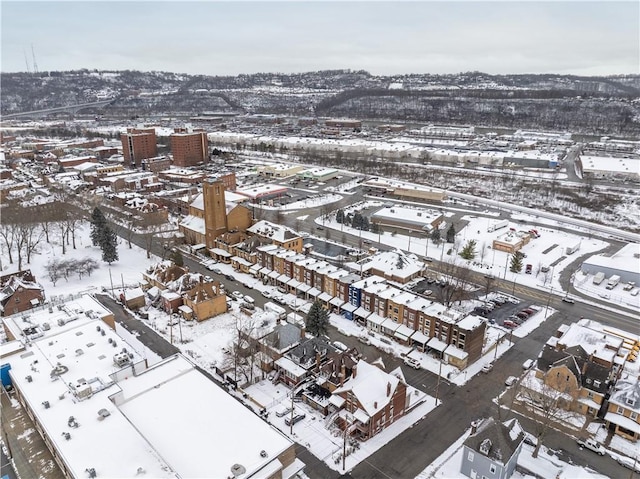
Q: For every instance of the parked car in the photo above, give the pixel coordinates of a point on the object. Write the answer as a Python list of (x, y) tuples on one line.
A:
[(340, 346), (507, 323), (487, 368), (592, 445), (629, 463), (529, 311), (412, 363), (266, 293), (364, 340), (522, 315), (296, 419), (283, 412), (237, 294), (229, 277), (569, 300), (510, 381), (528, 364)]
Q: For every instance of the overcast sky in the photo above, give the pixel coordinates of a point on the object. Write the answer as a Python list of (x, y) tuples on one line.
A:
[(228, 38)]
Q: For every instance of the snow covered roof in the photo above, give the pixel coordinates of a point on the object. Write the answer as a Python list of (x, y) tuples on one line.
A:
[(611, 164), (276, 232), (421, 218), (256, 191), (395, 263), (626, 258), (372, 386), (194, 223), (592, 341), (158, 411), (198, 202), (42, 323)]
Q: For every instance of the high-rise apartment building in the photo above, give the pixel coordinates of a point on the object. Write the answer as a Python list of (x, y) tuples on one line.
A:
[(189, 148), (138, 144)]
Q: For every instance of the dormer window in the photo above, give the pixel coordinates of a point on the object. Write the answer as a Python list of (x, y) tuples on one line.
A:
[(485, 447), (630, 401)]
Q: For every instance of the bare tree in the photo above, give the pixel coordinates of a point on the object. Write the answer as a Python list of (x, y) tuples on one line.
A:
[(548, 400), (457, 278)]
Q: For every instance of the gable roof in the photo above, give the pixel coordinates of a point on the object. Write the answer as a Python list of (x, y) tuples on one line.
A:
[(372, 387), (501, 440)]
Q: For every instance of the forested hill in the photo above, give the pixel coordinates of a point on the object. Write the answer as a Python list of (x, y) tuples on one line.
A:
[(598, 105)]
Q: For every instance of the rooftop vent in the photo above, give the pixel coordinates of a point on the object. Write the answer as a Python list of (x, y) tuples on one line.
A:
[(237, 470)]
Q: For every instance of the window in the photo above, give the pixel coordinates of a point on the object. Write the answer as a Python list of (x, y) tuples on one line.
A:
[(634, 416), (620, 410), (470, 456), (630, 401), (493, 468)]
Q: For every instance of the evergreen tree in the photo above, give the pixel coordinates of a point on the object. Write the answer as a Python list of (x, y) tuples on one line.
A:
[(516, 263), (365, 223), (340, 216), (317, 321), (451, 234), (98, 223), (357, 221), (469, 250), (109, 245), (435, 235), (176, 257)]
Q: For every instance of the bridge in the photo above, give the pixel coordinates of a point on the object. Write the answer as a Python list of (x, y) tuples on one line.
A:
[(60, 109)]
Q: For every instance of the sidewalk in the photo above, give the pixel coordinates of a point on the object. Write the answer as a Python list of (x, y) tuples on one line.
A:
[(30, 454)]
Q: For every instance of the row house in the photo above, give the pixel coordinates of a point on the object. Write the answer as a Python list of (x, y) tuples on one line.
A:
[(381, 307)]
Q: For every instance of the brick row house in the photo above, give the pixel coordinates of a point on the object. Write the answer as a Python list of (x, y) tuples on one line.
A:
[(375, 303)]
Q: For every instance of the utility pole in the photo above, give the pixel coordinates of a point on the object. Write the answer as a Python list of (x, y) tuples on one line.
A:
[(438, 383), (344, 444)]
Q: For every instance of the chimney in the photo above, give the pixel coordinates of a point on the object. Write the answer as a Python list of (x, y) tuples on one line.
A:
[(354, 371), (343, 373), (388, 389), (474, 427), (375, 404)]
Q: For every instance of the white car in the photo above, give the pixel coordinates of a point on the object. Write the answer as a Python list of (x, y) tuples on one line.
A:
[(592, 445), (266, 293), (412, 363), (629, 463), (238, 294), (339, 345), (510, 381)]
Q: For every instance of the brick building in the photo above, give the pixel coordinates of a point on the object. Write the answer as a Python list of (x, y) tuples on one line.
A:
[(138, 144), (189, 148)]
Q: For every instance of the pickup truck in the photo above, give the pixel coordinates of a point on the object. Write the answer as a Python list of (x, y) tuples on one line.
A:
[(592, 445)]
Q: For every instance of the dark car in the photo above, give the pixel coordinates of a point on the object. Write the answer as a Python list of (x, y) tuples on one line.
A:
[(229, 277)]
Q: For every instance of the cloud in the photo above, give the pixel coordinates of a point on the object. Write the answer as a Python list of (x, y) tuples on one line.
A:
[(382, 37)]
